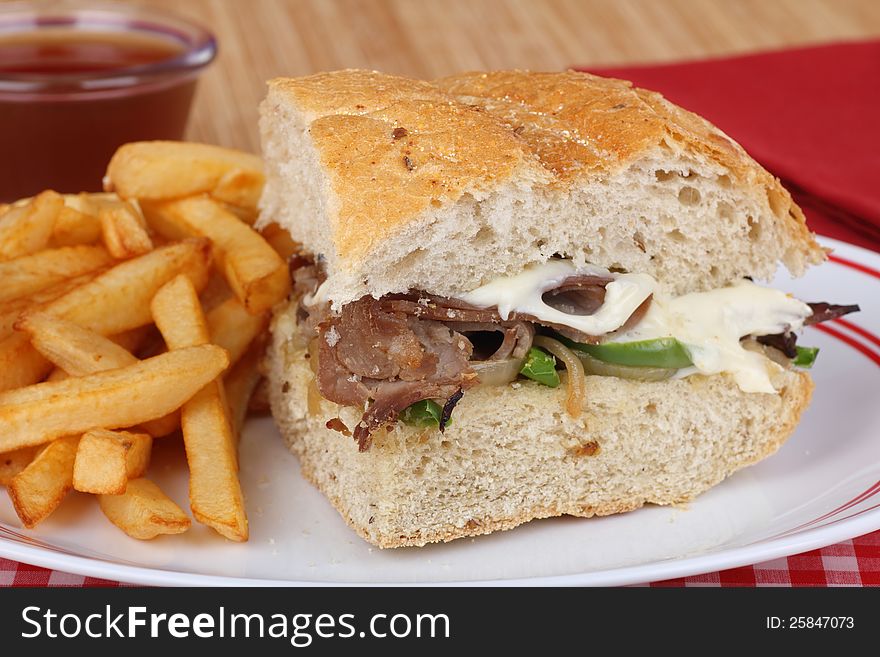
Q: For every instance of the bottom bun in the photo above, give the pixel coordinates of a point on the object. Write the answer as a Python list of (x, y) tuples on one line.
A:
[(513, 454)]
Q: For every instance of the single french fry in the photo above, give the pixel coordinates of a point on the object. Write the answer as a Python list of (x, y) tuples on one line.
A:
[(159, 170), (113, 302), (124, 231), (239, 187), (256, 273), (100, 465), (76, 350), (239, 384), (143, 511), (106, 460), (31, 273), (27, 228), (74, 228), (11, 463), (215, 492), (37, 490), (234, 328), (113, 399), (214, 489), (178, 314), (280, 240)]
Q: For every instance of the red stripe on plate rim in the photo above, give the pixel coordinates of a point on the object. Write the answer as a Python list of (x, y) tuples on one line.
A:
[(865, 269), (855, 328), (852, 342)]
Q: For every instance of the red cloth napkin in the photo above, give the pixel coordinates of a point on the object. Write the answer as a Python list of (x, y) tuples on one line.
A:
[(811, 116)]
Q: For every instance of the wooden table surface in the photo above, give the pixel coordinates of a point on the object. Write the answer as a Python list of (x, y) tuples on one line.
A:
[(260, 39)]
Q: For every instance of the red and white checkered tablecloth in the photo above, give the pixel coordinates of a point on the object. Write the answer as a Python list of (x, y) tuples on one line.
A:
[(850, 563)]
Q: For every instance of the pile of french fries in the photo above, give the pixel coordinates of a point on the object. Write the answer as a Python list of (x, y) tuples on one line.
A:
[(136, 315)]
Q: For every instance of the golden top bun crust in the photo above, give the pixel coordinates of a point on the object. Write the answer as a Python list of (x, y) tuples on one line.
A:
[(393, 150)]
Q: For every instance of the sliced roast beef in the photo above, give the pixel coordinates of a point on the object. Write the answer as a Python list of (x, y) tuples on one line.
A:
[(784, 342), (391, 397), (367, 353), (578, 295), (335, 381), (822, 312)]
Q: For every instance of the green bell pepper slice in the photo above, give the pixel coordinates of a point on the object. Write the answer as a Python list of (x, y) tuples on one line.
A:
[(667, 353), (423, 414), (541, 367), (806, 356)]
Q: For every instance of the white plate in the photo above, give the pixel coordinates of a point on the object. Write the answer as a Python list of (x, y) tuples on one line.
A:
[(822, 487)]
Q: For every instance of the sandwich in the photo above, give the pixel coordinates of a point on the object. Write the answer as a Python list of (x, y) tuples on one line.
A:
[(522, 295)]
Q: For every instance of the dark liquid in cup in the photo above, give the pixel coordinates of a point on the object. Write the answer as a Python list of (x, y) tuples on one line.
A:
[(70, 51), (63, 139)]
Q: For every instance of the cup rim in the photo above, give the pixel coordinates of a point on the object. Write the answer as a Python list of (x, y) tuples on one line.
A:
[(199, 45)]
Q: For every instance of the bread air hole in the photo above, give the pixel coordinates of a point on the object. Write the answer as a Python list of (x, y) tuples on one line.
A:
[(484, 236), (754, 229), (777, 202), (688, 195), (677, 236), (639, 241), (665, 176)]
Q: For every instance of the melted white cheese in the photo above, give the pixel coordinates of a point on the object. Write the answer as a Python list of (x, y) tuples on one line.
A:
[(522, 293), (709, 324)]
